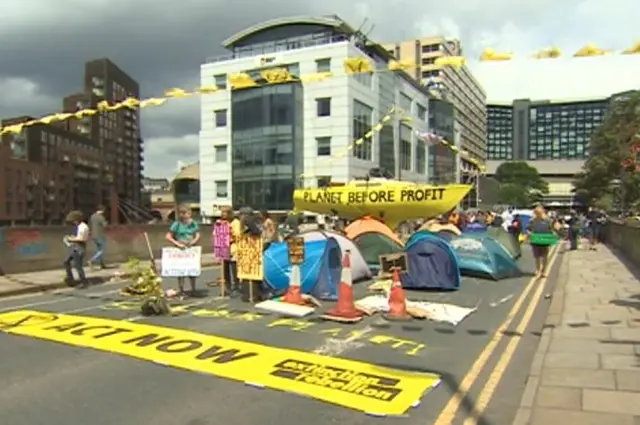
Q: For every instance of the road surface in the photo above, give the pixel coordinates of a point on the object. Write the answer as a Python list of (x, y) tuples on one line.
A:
[(482, 362)]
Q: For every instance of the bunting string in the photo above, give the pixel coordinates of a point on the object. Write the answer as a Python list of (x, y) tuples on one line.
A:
[(280, 74)]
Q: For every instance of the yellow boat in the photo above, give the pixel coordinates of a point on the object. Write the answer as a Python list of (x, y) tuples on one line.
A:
[(391, 201)]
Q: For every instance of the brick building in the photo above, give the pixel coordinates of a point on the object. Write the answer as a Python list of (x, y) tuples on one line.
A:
[(47, 170)]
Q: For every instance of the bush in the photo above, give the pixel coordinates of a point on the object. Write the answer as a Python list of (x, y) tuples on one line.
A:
[(148, 286)]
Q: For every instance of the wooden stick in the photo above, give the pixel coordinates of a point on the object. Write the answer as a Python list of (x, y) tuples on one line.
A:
[(150, 250)]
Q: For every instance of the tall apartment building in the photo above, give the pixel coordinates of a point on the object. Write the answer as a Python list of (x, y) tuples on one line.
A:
[(457, 86), (256, 142), (116, 132), (47, 170)]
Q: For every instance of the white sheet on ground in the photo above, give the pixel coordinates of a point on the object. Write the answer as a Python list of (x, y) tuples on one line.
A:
[(447, 313)]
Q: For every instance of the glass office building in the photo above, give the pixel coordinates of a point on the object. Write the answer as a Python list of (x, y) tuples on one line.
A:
[(543, 130), (442, 160), (267, 145), (499, 132)]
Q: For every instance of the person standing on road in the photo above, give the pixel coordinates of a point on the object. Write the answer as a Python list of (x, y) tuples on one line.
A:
[(77, 246), (541, 236), (97, 225), (184, 233), (230, 266)]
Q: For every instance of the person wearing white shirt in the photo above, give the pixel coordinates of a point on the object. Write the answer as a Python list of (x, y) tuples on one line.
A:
[(77, 245)]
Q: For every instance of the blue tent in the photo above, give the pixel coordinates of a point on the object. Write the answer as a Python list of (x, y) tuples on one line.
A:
[(319, 274), (483, 256), (433, 264)]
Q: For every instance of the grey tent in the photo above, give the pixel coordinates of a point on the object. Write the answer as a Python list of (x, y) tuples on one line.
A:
[(506, 240)]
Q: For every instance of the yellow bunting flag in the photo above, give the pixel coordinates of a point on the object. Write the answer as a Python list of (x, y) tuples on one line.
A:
[(357, 65), (241, 80), (453, 61), (633, 50), (276, 75), (590, 50), (490, 55), (548, 53)]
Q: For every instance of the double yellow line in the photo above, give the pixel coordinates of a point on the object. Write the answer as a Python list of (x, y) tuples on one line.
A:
[(452, 408)]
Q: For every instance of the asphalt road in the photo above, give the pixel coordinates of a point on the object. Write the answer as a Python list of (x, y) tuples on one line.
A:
[(53, 384)]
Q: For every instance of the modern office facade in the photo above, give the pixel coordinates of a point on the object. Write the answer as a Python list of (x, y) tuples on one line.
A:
[(257, 141), (551, 135), (441, 159), (544, 129), (458, 86)]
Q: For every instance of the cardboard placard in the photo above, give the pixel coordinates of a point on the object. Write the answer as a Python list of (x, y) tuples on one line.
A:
[(397, 260), (296, 250)]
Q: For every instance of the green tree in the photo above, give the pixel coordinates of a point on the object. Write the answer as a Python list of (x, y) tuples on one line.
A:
[(520, 184), (609, 147)]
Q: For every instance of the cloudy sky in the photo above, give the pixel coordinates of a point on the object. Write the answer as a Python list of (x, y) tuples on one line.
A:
[(161, 43)]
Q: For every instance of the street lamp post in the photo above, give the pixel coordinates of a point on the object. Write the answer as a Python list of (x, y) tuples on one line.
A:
[(619, 184)]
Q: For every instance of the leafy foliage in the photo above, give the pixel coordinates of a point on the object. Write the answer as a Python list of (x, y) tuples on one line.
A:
[(610, 146), (148, 286), (520, 184)]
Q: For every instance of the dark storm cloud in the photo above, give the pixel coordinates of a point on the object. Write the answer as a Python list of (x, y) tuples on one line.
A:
[(162, 43)]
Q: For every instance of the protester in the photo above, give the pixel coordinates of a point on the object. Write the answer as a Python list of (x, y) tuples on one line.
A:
[(541, 233), (573, 230), (184, 233), (97, 224), (269, 232), (515, 227), (230, 266), (77, 246)]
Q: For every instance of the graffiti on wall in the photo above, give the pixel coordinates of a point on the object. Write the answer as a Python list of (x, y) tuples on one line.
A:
[(26, 243)]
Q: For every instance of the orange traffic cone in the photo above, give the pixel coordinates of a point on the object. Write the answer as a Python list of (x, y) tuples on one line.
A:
[(397, 300), (294, 293), (345, 310)]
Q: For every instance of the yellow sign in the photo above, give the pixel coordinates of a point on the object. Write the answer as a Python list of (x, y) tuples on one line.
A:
[(360, 386), (249, 258)]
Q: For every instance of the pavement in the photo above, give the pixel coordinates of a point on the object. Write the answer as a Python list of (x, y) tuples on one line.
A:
[(48, 280), (586, 369), (483, 362)]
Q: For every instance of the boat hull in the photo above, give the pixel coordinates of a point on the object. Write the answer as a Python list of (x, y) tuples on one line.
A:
[(391, 203)]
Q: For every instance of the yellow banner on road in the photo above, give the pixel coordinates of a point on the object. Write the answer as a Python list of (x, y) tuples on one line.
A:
[(348, 383)]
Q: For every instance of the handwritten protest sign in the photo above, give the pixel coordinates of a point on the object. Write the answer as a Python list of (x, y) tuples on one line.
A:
[(222, 240), (177, 262), (296, 250), (249, 258)]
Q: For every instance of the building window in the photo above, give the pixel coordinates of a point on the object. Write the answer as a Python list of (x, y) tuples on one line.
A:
[(221, 118), (323, 181), (362, 124), (324, 106), (421, 112), (221, 81), (428, 61), (430, 74), (405, 102), (364, 78), (221, 189), (221, 153), (324, 146), (421, 158), (405, 148), (323, 65)]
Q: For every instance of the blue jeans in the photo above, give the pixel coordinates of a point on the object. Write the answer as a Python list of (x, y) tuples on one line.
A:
[(101, 246), (75, 256)]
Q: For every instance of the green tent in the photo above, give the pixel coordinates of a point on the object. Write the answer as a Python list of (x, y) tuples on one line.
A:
[(506, 240), (373, 244)]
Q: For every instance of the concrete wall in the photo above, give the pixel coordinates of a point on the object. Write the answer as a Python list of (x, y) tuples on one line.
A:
[(27, 249), (625, 239)]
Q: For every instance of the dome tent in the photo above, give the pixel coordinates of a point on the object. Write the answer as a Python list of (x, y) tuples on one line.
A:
[(432, 263), (359, 268), (319, 274), (506, 239), (481, 255), (373, 238)]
